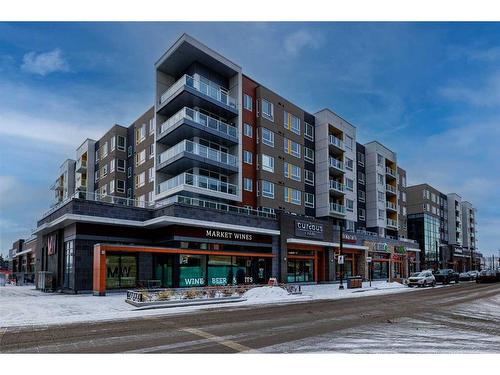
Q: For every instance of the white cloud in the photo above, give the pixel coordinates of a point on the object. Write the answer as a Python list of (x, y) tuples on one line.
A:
[(44, 63), (300, 39), (486, 94)]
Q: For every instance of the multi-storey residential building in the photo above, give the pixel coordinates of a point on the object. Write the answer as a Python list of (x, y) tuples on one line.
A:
[(64, 185), (454, 220), (381, 190), (336, 186), (85, 168), (224, 181), (402, 203), (469, 233), (22, 259)]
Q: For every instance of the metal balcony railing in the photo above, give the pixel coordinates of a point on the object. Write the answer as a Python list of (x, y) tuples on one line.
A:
[(200, 150), (336, 164), (337, 142), (337, 208), (335, 185), (198, 181)]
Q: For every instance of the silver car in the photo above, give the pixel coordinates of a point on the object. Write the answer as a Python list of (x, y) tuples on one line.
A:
[(424, 278)]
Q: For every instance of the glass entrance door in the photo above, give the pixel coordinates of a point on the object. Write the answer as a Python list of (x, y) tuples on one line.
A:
[(163, 270)]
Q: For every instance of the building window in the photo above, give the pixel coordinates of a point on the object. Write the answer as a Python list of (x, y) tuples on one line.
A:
[(381, 214), (349, 205), (120, 143), (247, 157), (248, 184), (120, 165), (120, 186), (292, 196), (111, 186), (308, 154), (140, 134), (349, 184), (96, 155), (113, 143), (151, 126), (361, 214), (104, 171), (291, 122), (380, 160), (248, 130), (309, 177), (104, 150), (267, 189), (129, 193), (130, 150), (150, 196), (403, 196), (309, 131), (112, 166), (96, 176), (267, 137), (309, 200), (361, 196), (292, 171), (381, 196), (151, 150), (140, 180), (151, 174), (247, 102), (267, 163), (140, 158), (348, 141), (291, 147), (129, 172), (361, 178), (380, 179), (267, 109), (104, 190), (361, 159), (349, 164)]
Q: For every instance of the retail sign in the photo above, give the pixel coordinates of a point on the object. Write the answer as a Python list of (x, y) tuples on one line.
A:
[(349, 237), (400, 249), (227, 235), (340, 259), (308, 229), (368, 259), (380, 246)]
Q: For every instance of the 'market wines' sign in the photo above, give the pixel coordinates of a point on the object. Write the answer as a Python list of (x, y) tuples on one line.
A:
[(308, 229), (226, 235)]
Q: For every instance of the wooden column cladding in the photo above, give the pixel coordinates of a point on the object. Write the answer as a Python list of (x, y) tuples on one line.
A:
[(250, 144)]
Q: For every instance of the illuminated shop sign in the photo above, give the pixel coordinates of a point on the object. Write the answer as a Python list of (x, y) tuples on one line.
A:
[(308, 229), (347, 237), (226, 235)]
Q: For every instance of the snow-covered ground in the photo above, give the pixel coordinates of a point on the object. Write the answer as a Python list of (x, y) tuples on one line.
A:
[(467, 328), (23, 305)]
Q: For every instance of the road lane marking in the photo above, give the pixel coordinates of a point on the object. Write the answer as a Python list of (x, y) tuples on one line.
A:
[(219, 340)]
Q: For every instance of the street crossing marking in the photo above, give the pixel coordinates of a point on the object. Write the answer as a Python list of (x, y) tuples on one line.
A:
[(228, 343)]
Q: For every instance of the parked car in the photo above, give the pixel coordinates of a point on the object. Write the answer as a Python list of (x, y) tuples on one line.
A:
[(488, 276), (423, 278), (446, 276), (474, 274), (466, 276)]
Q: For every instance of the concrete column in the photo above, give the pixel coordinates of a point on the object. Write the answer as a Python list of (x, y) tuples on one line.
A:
[(276, 260)]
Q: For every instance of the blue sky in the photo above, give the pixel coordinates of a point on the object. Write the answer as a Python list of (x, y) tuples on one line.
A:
[(429, 91)]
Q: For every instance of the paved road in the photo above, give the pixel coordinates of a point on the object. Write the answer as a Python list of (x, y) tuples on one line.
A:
[(345, 325)]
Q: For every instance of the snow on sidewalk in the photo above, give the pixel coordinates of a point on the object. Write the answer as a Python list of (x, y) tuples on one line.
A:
[(24, 306)]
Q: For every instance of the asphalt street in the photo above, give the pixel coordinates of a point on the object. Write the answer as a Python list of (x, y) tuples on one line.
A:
[(368, 324)]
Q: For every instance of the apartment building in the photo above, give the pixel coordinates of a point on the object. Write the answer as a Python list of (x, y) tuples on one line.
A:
[(223, 176), (64, 184), (85, 168), (22, 259), (402, 203), (469, 233)]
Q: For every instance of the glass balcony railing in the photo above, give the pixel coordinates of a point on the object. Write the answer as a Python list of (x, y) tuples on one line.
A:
[(392, 223), (335, 185), (199, 118), (390, 171), (198, 181), (337, 208), (336, 164), (390, 188), (204, 86), (81, 164), (200, 150), (391, 205), (337, 142)]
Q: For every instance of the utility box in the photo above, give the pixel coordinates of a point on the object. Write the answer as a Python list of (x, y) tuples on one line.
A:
[(354, 282)]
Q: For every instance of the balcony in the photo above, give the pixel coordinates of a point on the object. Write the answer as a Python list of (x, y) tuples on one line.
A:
[(188, 154), (391, 206), (81, 184), (188, 181), (336, 142), (81, 166), (337, 209), (390, 172), (390, 189), (190, 92), (337, 165), (337, 187), (392, 223), (58, 185), (188, 123)]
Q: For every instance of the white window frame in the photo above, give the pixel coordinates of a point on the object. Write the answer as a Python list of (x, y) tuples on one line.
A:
[(111, 186), (118, 189), (347, 187), (265, 140), (112, 163), (267, 163), (248, 130), (292, 125), (118, 147), (267, 194), (269, 116), (306, 134), (151, 174), (246, 100), (306, 156), (121, 169), (292, 196), (306, 179), (247, 157), (347, 202), (307, 203), (247, 184)]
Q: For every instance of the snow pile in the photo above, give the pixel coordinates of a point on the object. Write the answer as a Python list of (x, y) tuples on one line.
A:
[(266, 293)]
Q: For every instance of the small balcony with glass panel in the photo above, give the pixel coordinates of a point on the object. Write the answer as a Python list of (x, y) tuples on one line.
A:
[(337, 208), (336, 166), (337, 188), (188, 154), (188, 123)]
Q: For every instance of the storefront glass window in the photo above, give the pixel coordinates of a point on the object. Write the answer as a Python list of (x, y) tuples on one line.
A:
[(128, 275), (112, 271), (121, 271), (300, 271), (192, 270), (380, 270)]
